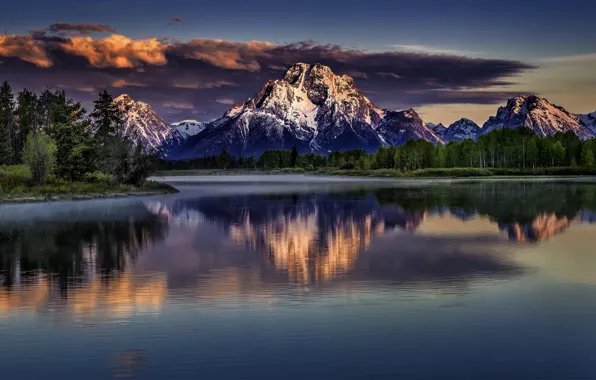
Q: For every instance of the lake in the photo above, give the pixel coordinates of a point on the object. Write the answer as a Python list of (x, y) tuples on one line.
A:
[(293, 277)]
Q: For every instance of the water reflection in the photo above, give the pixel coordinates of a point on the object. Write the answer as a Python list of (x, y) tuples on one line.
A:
[(87, 262)]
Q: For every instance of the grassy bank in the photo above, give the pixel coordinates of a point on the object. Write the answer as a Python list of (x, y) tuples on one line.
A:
[(393, 173), (16, 186)]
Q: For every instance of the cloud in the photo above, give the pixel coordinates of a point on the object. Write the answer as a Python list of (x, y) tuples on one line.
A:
[(119, 83), (581, 58), (81, 28), (227, 101), (177, 19), (25, 48), (433, 50), (191, 74), (117, 51), (196, 85), (391, 75), (178, 105), (225, 54)]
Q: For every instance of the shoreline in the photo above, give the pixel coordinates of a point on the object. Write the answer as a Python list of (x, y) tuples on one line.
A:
[(24, 198)]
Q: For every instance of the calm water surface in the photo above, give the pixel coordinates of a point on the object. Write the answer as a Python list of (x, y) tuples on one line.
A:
[(301, 280)]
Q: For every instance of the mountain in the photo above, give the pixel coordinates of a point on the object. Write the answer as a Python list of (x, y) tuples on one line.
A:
[(187, 128), (310, 108), (438, 129), (537, 114), (589, 121), (397, 127), (145, 127), (461, 130)]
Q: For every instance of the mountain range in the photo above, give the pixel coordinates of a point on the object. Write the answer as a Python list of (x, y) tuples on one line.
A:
[(314, 109)]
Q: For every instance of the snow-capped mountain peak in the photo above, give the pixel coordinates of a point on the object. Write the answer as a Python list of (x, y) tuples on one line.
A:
[(310, 107), (187, 128), (143, 126), (537, 114), (461, 130)]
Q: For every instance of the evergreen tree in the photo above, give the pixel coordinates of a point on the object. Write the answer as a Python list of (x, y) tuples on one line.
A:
[(107, 120), (7, 125), (106, 116), (26, 116), (587, 155), (293, 157), (76, 153)]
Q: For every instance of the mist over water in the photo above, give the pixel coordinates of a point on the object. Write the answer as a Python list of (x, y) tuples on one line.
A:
[(272, 279)]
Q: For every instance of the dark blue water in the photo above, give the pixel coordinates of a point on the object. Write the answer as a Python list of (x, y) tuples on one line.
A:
[(289, 281)]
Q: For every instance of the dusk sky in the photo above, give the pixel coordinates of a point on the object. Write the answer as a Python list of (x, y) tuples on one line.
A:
[(192, 59)]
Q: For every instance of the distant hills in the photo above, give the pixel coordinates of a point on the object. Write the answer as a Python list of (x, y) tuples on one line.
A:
[(316, 110)]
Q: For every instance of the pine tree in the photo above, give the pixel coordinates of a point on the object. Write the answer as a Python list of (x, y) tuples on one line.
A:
[(7, 125), (293, 157), (587, 155), (106, 116), (26, 117)]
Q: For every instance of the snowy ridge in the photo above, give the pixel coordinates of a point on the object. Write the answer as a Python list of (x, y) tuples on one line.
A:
[(187, 128), (537, 114), (462, 129), (589, 121), (310, 108), (144, 127)]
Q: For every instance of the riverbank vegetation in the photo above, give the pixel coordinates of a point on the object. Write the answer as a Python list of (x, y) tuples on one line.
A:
[(51, 147), (504, 152)]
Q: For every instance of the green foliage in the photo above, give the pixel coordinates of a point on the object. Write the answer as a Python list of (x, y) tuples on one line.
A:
[(97, 177), (106, 116), (7, 125), (588, 156), (77, 152), (13, 176), (39, 154), (450, 172)]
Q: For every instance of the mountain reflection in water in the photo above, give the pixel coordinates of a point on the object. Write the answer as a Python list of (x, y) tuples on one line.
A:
[(89, 262)]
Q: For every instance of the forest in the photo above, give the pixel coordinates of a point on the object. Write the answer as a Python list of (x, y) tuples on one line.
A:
[(49, 143), (502, 151)]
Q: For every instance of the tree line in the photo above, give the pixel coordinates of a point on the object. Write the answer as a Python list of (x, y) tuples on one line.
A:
[(54, 135), (502, 148)]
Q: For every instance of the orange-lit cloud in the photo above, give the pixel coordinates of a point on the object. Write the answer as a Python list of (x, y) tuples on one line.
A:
[(225, 54), (117, 51), (24, 48), (120, 83)]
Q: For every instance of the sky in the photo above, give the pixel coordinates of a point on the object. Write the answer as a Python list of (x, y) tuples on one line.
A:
[(192, 59)]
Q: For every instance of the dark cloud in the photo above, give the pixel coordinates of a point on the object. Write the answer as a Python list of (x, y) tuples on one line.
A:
[(202, 72), (81, 28), (177, 19)]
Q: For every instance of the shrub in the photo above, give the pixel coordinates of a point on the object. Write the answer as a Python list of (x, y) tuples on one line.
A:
[(13, 176), (39, 154), (97, 177), (347, 166)]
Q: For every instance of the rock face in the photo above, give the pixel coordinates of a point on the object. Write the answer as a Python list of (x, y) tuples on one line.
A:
[(397, 127), (537, 114), (439, 129), (461, 130), (310, 108), (145, 127)]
